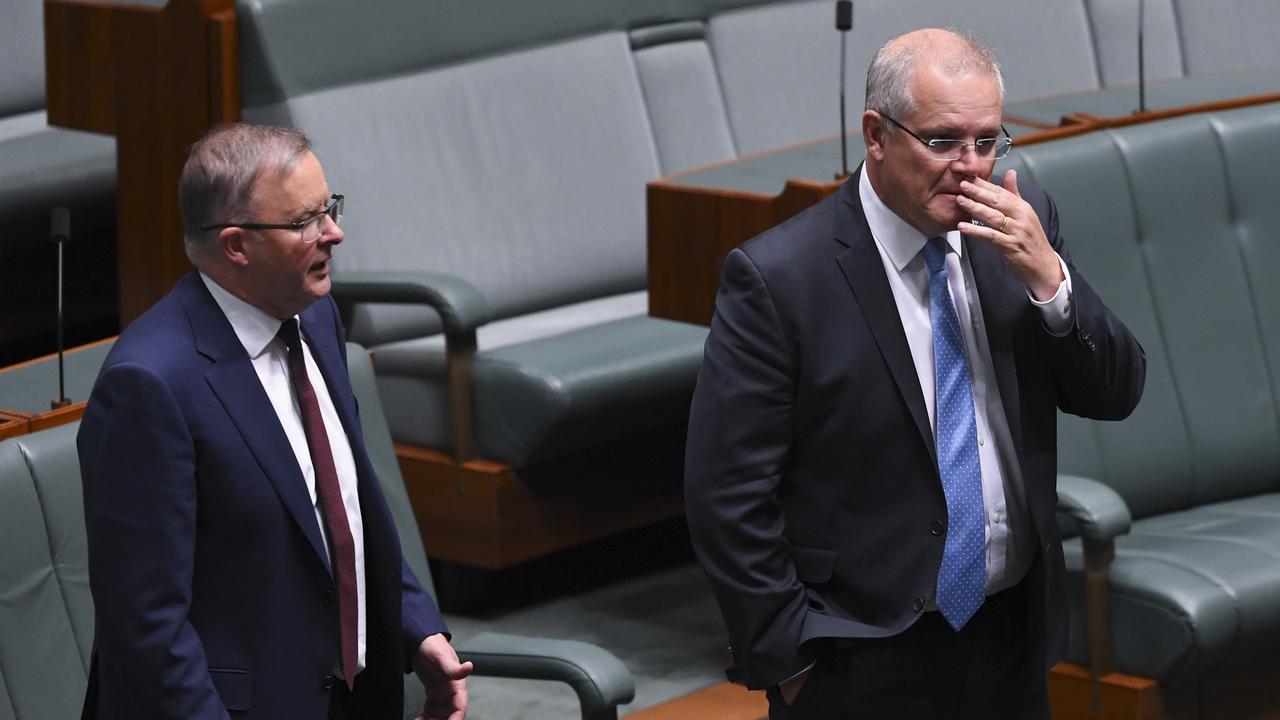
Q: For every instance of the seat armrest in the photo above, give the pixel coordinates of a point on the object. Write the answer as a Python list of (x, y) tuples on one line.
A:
[(1101, 515), (461, 307), (1099, 512), (599, 678)]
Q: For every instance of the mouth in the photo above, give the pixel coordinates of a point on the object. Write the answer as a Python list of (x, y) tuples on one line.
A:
[(320, 267)]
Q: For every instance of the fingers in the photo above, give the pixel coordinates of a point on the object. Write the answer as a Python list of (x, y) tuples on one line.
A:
[(1010, 181), (999, 207), (992, 219), (989, 194)]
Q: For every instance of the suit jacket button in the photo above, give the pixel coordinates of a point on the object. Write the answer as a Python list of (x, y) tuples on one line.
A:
[(935, 527), (328, 682), (918, 605), (328, 597), (1086, 339)]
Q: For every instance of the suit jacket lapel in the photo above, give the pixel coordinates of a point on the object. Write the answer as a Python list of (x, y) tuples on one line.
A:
[(860, 262), (233, 379), (1001, 298)]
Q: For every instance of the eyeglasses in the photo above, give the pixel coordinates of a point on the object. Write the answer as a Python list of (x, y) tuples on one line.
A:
[(310, 228), (948, 150)]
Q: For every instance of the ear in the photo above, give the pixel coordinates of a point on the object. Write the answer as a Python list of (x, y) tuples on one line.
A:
[(231, 243), (873, 134)]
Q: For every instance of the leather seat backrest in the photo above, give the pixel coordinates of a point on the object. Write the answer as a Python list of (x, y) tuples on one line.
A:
[(779, 63), (1207, 303), (1089, 181), (22, 57), (46, 611), (1170, 223)]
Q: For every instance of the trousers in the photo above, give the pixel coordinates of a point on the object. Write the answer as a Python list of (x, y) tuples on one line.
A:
[(984, 671)]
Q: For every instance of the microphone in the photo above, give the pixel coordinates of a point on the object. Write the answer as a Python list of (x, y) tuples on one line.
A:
[(844, 23), (60, 232), (1142, 75)]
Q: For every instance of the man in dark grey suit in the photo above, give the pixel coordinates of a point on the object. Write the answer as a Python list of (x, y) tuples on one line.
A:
[(871, 468)]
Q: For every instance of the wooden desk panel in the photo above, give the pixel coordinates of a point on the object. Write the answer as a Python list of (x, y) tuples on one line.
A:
[(691, 230), (157, 78)]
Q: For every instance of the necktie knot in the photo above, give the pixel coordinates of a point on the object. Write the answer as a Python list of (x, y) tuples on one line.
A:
[(288, 333), (935, 255)]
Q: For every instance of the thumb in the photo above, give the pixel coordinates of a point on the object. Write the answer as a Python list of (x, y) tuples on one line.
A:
[(1010, 181), (460, 671)]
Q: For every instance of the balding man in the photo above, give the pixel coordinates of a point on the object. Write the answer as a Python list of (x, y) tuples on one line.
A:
[(871, 468), (242, 558)]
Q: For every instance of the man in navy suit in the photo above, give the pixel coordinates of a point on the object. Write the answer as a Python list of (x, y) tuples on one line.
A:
[(242, 558), (871, 466)]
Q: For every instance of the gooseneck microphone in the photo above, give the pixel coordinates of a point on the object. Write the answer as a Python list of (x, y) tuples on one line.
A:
[(60, 232), (844, 23), (1142, 74)]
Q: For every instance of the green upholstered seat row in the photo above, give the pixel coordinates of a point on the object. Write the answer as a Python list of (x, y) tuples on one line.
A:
[(508, 144), (46, 609), (46, 613), (1174, 224)]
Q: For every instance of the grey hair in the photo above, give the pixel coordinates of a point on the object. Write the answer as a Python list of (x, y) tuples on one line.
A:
[(222, 169), (889, 76)]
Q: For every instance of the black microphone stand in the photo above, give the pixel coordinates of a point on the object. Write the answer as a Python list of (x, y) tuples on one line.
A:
[(844, 23), (1142, 75), (60, 232)]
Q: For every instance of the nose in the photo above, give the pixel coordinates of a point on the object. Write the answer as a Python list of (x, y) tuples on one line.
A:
[(969, 162), (330, 231)]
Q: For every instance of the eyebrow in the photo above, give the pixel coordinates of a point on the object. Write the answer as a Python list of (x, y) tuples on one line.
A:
[(309, 211), (956, 133)]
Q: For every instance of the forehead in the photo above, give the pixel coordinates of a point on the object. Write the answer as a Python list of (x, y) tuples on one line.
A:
[(967, 100)]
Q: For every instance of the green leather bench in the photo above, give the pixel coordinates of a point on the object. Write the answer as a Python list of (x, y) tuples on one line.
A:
[(1176, 224), (46, 611), (495, 157)]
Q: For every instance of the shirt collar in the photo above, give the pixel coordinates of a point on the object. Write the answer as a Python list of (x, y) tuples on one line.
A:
[(253, 326), (901, 242)]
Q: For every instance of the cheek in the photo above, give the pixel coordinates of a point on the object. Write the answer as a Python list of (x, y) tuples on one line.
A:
[(303, 260)]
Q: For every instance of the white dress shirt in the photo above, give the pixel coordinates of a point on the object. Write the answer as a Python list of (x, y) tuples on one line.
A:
[(257, 333), (1010, 549)]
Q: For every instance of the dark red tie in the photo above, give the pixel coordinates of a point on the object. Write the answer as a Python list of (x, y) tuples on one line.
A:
[(341, 545)]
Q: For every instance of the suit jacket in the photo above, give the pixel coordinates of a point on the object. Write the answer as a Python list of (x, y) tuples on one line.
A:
[(212, 587), (812, 490)]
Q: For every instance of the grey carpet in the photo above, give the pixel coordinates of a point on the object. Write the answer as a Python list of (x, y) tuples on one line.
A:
[(639, 596)]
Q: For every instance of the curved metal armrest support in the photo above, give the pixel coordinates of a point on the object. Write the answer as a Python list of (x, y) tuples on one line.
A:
[(599, 678), (1101, 515), (462, 309)]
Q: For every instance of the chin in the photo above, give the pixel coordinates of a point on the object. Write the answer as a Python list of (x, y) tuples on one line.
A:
[(319, 288), (949, 220)]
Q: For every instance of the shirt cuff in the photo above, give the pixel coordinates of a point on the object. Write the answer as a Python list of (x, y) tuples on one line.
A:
[(793, 677), (1058, 312)]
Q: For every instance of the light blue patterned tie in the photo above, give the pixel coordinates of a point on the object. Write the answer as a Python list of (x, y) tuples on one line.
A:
[(962, 579)]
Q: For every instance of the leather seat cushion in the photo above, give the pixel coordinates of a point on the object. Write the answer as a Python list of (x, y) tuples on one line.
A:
[(1192, 591), (550, 383)]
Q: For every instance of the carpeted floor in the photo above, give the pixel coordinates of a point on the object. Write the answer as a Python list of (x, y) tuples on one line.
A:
[(640, 595)]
